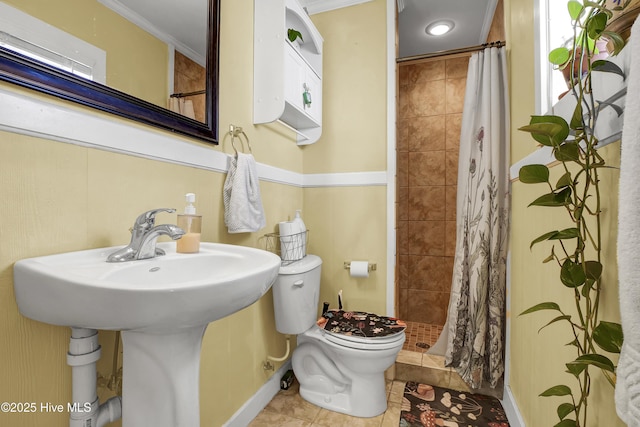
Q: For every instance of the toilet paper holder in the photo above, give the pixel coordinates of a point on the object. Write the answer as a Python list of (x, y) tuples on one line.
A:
[(371, 267)]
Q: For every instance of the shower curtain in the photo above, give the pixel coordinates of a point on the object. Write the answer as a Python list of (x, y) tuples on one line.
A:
[(476, 318)]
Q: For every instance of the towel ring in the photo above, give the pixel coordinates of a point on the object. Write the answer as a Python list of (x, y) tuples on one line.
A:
[(236, 131)]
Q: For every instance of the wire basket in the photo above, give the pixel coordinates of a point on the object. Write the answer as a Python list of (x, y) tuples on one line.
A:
[(290, 248)]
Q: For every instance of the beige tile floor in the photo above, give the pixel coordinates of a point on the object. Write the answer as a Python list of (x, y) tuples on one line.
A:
[(288, 409)]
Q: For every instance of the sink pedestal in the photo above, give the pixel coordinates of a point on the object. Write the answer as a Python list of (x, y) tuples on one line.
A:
[(160, 385)]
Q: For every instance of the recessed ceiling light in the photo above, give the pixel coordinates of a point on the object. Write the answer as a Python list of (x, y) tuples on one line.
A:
[(439, 28)]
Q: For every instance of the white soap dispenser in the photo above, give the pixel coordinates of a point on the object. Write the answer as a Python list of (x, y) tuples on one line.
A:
[(191, 224), (301, 228)]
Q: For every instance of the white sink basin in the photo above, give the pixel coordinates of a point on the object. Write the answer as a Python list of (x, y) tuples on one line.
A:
[(80, 289), (162, 305)]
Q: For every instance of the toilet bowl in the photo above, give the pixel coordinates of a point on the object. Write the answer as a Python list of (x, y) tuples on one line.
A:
[(338, 370)]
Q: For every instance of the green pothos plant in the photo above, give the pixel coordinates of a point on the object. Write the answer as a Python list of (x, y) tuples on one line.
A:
[(292, 35), (577, 250)]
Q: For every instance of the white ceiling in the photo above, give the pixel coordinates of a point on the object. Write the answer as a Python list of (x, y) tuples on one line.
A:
[(472, 19), (165, 19)]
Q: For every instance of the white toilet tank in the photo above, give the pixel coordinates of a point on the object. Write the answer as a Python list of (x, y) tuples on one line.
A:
[(296, 292)]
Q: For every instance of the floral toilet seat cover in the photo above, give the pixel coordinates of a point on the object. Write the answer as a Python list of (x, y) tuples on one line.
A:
[(360, 323)]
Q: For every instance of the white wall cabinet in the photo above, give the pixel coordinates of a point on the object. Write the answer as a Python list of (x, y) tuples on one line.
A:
[(287, 75)]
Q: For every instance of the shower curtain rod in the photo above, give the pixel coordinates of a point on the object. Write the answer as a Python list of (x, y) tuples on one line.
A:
[(451, 51), (182, 95)]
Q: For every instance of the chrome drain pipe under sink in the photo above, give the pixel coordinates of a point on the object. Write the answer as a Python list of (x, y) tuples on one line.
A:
[(85, 409)]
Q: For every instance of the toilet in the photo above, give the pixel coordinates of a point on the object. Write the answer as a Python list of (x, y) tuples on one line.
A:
[(337, 367)]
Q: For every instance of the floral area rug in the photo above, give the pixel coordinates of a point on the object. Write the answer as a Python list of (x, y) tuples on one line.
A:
[(429, 406)]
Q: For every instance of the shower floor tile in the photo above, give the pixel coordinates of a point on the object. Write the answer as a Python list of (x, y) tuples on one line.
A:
[(421, 336)]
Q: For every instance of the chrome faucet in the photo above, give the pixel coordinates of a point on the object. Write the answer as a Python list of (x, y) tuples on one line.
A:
[(144, 234)]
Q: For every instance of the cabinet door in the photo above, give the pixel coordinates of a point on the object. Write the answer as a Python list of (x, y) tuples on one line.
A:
[(313, 86), (294, 70), (303, 88)]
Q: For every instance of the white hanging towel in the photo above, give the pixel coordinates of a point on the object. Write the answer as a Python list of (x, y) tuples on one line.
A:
[(243, 211), (628, 373), (174, 105)]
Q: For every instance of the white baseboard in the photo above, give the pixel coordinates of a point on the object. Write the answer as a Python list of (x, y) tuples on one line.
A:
[(258, 401), (511, 409)]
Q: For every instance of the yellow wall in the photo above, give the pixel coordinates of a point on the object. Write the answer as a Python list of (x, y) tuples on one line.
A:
[(60, 197), (354, 133), (136, 61), (537, 359), (349, 223)]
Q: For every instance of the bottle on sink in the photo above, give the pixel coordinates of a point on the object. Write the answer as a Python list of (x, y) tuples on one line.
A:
[(191, 224)]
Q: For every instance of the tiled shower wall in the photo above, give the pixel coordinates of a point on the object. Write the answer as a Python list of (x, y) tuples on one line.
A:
[(190, 77), (431, 97)]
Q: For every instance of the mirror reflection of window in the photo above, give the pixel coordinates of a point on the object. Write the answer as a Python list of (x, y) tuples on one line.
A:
[(38, 40), (46, 56)]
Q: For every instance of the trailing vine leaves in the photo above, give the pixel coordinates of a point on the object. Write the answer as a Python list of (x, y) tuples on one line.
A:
[(577, 249)]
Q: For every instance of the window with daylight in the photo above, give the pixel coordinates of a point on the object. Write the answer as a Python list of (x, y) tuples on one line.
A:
[(554, 30)]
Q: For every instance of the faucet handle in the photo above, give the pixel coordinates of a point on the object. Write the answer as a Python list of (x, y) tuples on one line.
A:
[(148, 218)]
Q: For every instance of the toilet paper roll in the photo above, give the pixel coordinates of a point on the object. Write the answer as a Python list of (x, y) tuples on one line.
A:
[(286, 228), (359, 269), (291, 245)]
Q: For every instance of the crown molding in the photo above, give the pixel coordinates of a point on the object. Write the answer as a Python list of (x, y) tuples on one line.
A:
[(143, 23), (319, 6)]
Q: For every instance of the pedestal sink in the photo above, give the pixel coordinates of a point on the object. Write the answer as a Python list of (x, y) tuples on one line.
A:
[(162, 306)]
